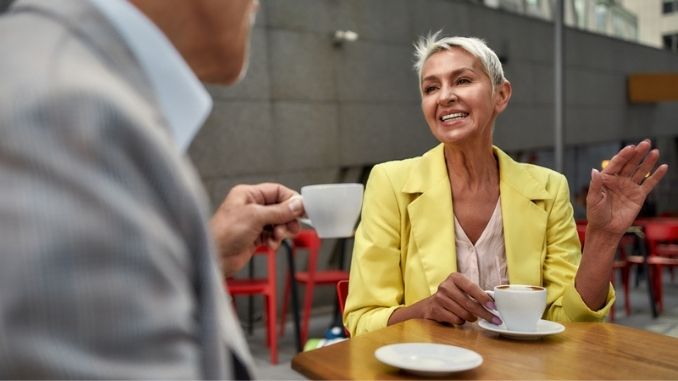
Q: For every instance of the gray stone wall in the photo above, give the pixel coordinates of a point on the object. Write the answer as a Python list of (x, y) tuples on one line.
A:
[(308, 109)]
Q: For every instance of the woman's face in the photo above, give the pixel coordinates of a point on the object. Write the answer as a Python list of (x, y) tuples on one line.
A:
[(457, 98)]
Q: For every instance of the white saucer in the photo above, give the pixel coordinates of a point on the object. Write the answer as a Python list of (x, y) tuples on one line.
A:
[(428, 359), (544, 328)]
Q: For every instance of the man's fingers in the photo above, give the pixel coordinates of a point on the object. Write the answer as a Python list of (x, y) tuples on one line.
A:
[(271, 193), (280, 214)]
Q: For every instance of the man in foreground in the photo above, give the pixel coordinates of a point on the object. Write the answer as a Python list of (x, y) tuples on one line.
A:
[(109, 267)]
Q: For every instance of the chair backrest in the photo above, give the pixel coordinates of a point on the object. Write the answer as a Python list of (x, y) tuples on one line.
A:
[(342, 293), (658, 232), (307, 238)]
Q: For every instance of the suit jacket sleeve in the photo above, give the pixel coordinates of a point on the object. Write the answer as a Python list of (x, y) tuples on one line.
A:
[(376, 282), (98, 229)]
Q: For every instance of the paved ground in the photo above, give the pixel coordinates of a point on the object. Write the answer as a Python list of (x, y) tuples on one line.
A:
[(640, 317)]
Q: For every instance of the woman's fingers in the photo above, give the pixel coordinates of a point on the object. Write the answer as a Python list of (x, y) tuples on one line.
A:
[(645, 167), (654, 178), (618, 161), (464, 299), (639, 152)]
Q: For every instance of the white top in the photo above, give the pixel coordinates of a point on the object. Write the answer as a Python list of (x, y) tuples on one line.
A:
[(183, 99), (485, 262)]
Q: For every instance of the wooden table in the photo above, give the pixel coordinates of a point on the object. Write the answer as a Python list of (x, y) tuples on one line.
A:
[(583, 351)]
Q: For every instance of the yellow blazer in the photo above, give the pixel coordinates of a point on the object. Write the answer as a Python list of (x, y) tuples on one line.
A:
[(405, 243)]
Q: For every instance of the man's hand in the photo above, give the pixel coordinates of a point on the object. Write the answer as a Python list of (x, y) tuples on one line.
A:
[(253, 215)]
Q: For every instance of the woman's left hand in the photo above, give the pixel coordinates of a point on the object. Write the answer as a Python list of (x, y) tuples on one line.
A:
[(617, 194)]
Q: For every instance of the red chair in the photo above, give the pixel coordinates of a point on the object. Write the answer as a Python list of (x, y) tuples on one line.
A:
[(342, 293), (661, 238), (620, 263), (266, 287), (309, 241)]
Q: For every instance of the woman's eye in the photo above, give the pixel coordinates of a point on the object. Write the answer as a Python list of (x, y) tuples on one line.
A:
[(429, 89), (463, 81)]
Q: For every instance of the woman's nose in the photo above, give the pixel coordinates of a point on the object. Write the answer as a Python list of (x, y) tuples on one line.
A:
[(447, 96)]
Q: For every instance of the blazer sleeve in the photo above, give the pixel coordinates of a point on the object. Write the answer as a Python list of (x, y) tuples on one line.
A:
[(376, 280), (563, 252), (97, 273)]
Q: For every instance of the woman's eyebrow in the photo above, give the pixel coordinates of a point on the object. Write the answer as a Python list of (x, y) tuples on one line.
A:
[(453, 74)]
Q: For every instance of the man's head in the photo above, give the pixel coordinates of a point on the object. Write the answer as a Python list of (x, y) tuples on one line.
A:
[(211, 35)]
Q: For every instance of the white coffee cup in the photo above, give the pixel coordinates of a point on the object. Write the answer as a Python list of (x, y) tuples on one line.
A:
[(333, 209), (519, 306)]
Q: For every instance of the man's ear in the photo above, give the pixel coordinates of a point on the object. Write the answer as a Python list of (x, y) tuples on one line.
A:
[(503, 95)]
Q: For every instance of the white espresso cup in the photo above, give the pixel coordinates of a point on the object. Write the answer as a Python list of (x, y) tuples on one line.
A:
[(519, 306), (333, 208)]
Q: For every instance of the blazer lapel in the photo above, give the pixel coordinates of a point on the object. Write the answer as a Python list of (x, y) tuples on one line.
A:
[(431, 217), (524, 220)]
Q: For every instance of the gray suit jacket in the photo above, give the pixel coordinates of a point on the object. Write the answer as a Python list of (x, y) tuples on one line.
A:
[(107, 269)]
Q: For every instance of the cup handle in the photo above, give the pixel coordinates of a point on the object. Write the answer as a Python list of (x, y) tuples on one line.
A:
[(305, 221), (492, 311)]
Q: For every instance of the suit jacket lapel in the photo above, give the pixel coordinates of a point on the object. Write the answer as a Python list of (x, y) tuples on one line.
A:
[(524, 220), (431, 217)]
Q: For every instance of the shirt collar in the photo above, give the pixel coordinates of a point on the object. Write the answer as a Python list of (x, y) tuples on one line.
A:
[(183, 100)]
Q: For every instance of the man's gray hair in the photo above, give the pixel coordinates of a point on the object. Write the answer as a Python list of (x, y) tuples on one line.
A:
[(427, 46)]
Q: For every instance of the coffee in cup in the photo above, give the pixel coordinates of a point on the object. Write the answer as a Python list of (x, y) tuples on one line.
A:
[(333, 209), (519, 306)]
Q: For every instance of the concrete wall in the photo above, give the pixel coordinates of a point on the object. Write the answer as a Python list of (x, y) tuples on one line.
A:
[(307, 109)]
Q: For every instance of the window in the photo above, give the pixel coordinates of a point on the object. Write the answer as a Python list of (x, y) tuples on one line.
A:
[(669, 6), (671, 42), (581, 13)]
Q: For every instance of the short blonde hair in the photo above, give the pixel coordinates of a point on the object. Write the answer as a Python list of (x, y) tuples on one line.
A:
[(429, 45)]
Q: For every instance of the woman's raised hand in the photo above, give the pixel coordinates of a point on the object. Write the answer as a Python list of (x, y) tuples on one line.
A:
[(618, 192)]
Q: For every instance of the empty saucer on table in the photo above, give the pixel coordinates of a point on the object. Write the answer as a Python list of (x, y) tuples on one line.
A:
[(428, 359), (544, 328)]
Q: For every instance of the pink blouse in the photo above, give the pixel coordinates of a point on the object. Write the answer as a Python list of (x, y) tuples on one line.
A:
[(485, 262)]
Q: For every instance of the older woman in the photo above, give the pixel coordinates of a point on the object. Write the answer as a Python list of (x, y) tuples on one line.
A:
[(439, 229)]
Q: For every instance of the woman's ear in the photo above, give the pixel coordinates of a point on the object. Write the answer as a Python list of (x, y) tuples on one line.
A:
[(503, 95)]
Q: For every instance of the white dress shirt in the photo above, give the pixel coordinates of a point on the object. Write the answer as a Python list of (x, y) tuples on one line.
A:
[(183, 99)]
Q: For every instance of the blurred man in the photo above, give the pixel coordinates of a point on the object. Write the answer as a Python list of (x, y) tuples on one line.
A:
[(108, 265)]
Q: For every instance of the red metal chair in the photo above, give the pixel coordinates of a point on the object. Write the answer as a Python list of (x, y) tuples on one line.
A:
[(342, 293), (620, 263), (661, 237), (262, 286), (309, 241)]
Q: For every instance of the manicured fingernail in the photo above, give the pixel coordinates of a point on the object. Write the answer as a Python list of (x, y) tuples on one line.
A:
[(496, 321), (490, 305), (295, 204)]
